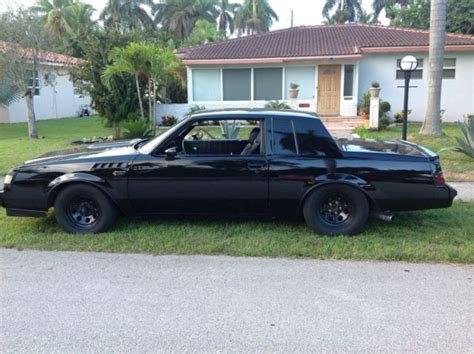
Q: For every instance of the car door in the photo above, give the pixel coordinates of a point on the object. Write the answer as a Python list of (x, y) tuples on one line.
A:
[(199, 181)]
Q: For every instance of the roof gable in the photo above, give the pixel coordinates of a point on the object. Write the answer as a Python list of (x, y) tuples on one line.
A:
[(318, 41)]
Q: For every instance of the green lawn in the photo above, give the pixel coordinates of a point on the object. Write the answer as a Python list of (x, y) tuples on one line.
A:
[(444, 235), (456, 166), (55, 134)]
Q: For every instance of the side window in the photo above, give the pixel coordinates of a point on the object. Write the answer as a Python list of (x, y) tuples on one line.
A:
[(310, 140), (283, 137)]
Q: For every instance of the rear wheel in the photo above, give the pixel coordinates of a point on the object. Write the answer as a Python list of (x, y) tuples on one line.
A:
[(336, 210), (83, 208)]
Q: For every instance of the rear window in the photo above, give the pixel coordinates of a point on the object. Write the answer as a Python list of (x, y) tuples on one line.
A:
[(310, 138), (283, 137)]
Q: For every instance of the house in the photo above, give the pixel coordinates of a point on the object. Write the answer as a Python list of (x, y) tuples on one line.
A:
[(333, 65), (56, 95)]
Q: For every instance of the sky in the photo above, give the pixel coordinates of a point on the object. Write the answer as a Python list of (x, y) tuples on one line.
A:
[(305, 12)]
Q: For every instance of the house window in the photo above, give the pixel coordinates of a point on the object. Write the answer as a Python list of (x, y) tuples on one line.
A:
[(449, 68), (304, 76), (417, 74), (37, 83), (267, 84), (348, 81), (206, 84), (236, 84)]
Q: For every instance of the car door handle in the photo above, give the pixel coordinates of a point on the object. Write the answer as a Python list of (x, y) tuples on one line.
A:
[(255, 166)]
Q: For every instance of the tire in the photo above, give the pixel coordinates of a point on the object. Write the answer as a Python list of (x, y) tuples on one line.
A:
[(336, 209), (81, 208)]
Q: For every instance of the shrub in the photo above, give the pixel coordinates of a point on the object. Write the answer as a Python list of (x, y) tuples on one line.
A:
[(362, 132), (168, 120), (194, 109), (385, 107), (136, 128), (466, 145), (375, 84), (277, 105), (399, 116)]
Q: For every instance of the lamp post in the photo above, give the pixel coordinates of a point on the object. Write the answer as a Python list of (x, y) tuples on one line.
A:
[(408, 64)]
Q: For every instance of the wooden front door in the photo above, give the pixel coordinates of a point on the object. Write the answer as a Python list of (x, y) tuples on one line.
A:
[(329, 90)]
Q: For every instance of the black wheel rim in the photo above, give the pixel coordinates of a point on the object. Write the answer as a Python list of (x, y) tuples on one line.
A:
[(335, 210), (83, 212)]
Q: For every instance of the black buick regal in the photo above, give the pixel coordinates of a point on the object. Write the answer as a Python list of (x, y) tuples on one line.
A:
[(236, 162)]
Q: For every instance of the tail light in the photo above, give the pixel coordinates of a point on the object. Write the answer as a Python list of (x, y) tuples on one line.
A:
[(438, 178)]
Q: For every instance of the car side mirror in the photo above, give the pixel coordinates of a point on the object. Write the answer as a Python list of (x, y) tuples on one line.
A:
[(171, 152)]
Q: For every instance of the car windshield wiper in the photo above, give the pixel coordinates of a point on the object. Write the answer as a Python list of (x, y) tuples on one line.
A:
[(140, 143)]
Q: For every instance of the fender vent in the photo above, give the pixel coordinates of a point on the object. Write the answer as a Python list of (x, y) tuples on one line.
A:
[(103, 165)]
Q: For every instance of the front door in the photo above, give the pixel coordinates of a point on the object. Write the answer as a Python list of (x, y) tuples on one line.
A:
[(212, 172), (329, 90)]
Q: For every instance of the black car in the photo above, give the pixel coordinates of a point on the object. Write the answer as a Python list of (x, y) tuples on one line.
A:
[(232, 162)]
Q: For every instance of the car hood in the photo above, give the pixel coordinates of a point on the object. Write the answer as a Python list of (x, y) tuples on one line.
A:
[(398, 147), (82, 153)]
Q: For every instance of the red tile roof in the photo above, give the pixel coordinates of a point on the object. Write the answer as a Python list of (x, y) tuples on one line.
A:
[(319, 41), (44, 56)]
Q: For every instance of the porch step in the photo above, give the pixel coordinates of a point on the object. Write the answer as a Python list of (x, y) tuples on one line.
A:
[(341, 127)]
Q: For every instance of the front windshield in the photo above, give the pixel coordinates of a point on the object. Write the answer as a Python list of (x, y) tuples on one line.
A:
[(151, 145)]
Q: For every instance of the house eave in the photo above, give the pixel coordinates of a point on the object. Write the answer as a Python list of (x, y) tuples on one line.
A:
[(448, 48), (270, 60)]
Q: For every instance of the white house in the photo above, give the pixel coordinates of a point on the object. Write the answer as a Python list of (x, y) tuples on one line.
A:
[(55, 96), (333, 65)]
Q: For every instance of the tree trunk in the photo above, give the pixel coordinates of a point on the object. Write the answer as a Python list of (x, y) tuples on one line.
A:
[(432, 122), (32, 131), (137, 83)]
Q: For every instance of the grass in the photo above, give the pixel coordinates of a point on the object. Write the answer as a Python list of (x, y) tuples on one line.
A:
[(456, 166), (444, 235), (55, 134)]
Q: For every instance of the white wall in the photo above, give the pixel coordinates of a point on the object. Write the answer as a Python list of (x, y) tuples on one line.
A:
[(457, 94), (348, 105), (56, 101)]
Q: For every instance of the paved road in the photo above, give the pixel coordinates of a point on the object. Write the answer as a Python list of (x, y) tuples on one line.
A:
[(61, 301)]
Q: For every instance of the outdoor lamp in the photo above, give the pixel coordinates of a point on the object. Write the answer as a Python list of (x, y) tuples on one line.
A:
[(408, 64)]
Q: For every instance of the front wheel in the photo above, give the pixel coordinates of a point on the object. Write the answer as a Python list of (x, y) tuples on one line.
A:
[(82, 208), (336, 210)]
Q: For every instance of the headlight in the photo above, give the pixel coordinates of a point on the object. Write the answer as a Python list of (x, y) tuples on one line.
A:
[(8, 178)]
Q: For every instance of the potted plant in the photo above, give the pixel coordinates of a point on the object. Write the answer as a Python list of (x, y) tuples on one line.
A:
[(293, 91), (375, 89)]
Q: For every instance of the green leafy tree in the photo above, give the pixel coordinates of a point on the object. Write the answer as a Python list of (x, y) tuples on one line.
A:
[(416, 14), (255, 16), (226, 13), (20, 57), (346, 10), (178, 17), (127, 15), (203, 32), (388, 5)]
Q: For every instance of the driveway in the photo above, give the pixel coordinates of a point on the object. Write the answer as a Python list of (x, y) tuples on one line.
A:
[(77, 302)]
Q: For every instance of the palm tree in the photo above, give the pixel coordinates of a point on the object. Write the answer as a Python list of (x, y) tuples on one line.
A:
[(127, 15), (80, 18), (368, 18), (54, 14), (352, 9), (179, 17), (225, 17), (388, 5), (142, 61), (432, 122), (255, 16)]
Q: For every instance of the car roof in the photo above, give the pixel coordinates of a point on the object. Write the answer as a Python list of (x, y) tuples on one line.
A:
[(253, 112)]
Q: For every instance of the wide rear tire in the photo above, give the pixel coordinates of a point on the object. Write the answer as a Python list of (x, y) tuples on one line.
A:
[(336, 209), (81, 208)]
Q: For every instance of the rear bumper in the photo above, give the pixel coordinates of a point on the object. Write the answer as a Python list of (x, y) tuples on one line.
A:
[(452, 194)]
